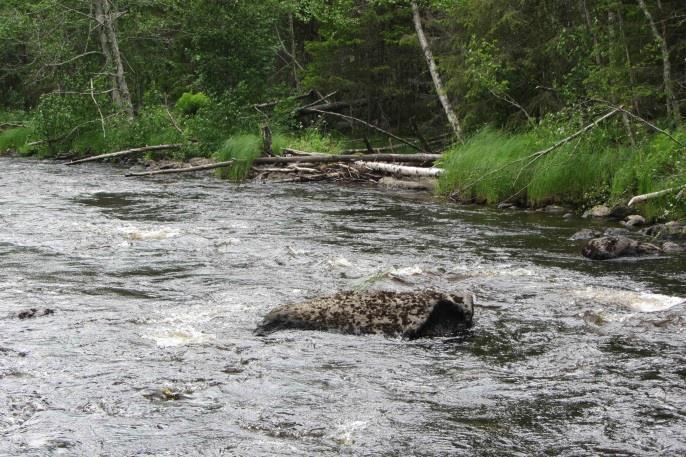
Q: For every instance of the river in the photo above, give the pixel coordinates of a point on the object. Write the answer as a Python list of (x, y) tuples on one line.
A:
[(157, 285)]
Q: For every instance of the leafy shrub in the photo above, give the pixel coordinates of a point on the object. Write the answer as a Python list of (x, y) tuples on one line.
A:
[(59, 118), (190, 103)]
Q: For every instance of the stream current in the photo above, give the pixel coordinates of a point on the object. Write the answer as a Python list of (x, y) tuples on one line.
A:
[(156, 286)]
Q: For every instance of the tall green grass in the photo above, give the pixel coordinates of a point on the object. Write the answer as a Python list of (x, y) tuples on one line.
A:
[(14, 139), (495, 166), (488, 167)]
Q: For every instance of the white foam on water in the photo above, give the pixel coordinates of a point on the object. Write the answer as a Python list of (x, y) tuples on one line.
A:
[(642, 302), (175, 336), (505, 270), (414, 270), (340, 262), (155, 234), (345, 433)]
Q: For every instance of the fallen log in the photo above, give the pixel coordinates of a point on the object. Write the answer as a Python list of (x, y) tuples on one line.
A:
[(159, 147), (402, 170), (324, 158), (182, 170), (645, 197), (295, 152), (11, 125)]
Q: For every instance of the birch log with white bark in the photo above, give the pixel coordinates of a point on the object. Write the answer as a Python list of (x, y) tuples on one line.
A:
[(435, 75), (402, 169)]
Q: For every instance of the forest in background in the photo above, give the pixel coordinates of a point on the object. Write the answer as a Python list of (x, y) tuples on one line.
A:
[(83, 77)]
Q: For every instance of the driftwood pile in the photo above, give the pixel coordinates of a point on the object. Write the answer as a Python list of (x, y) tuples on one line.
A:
[(350, 168), (299, 166)]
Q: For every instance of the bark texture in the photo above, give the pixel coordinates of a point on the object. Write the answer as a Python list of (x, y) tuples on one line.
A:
[(105, 18), (435, 75)]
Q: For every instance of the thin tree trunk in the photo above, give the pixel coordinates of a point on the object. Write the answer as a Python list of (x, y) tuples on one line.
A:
[(110, 47), (589, 27), (673, 110), (435, 75), (99, 6)]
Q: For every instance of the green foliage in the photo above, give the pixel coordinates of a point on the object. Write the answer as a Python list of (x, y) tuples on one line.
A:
[(242, 149), (314, 140), (14, 139), (658, 165), (59, 118), (190, 103)]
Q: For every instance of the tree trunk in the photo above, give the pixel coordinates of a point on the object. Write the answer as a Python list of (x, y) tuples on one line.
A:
[(435, 75), (113, 59), (673, 110)]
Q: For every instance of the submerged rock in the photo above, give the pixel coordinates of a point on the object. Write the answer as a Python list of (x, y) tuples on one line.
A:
[(408, 314), (670, 231), (584, 234), (612, 247), (597, 211), (616, 231), (555, 209), (671, 247), (34, 312)]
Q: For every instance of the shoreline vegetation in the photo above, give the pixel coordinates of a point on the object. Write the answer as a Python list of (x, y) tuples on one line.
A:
[(493, 167), (575, 106)]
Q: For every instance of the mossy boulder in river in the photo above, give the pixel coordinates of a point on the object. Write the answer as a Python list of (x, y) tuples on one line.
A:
[(408, 314)]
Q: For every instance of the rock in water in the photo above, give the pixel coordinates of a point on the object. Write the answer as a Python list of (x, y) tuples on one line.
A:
[(408, 314), (612, 247)]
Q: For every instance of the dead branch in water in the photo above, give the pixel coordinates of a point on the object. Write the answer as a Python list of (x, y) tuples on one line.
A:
[(182, 170), (159, 147)]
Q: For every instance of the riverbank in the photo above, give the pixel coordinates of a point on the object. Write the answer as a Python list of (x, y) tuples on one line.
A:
[(492, 167)]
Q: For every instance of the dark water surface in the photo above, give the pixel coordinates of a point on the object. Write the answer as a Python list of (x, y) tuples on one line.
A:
[(157, 285)]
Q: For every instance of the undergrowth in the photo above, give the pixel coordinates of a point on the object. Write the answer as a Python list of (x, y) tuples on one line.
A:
[(494, 166), (244, 148), (14, 139)]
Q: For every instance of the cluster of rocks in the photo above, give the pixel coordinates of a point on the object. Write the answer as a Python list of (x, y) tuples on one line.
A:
[(668, 238)]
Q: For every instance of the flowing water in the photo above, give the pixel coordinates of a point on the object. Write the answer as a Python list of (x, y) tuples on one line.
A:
[(157, 285)]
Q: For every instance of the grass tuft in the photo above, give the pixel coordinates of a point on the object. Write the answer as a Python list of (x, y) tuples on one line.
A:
[(14, 139)]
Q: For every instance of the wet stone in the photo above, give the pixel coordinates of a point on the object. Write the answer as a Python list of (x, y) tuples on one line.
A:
[(612, 247), (584, 234), (32, 313), (675, 231), (598, 211), (671, 247), (634, 220), (616, 231)]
